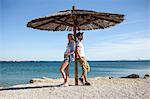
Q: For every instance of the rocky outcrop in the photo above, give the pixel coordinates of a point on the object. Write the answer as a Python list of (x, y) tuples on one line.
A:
[(108, 77), (146, 75), (44, 79), (132, 76)]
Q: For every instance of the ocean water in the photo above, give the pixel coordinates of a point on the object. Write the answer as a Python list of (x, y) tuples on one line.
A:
[(12, 73)]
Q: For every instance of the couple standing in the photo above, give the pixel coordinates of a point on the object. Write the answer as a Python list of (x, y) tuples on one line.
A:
[(69, 56)]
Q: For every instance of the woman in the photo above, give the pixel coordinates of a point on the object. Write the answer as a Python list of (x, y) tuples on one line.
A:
[(68, 57)]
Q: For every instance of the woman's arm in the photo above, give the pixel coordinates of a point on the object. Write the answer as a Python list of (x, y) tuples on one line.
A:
[(72, 48)]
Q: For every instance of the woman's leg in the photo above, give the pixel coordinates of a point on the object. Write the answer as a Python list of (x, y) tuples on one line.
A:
[(62, 68), (67, 74)]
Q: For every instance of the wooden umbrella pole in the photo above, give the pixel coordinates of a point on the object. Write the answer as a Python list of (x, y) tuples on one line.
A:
[(75, 63)]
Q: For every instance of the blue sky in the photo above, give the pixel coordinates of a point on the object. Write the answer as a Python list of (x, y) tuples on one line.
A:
[(129, 40)]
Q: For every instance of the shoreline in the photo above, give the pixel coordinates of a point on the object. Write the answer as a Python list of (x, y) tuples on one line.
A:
[(11, 85), (101, 88)]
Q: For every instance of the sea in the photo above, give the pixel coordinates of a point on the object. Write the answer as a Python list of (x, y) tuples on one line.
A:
[(13, 73)]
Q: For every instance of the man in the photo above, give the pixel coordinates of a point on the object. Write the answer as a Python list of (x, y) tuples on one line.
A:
[(82, 60)]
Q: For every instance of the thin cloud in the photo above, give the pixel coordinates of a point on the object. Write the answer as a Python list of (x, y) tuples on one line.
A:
[(135, 21), (125, 37), (123, 46)]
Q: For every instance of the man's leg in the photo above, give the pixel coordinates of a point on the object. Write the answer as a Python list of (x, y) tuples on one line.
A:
[(85, 69), (84, 73)]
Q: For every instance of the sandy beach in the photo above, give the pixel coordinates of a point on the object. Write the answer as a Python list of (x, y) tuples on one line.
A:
[(101, 88)]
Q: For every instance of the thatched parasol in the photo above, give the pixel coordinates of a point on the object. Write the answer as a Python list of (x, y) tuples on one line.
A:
[(72, 20)]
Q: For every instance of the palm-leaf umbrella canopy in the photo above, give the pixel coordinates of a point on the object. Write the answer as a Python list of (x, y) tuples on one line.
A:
[(82, 19), (72, 20)]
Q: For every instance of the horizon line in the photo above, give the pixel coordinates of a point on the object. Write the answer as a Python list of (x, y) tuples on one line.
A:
[(60, 60)]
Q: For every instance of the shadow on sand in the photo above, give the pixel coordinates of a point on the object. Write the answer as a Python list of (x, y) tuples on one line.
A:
[(19, 88), (49, 86)]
